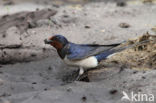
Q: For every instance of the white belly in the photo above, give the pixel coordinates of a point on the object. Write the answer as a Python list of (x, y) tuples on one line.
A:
[(89, 62)]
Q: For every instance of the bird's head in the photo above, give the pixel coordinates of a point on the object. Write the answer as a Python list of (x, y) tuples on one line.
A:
[(57, 41)]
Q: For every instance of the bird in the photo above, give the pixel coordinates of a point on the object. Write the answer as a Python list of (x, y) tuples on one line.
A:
[(84, 56)]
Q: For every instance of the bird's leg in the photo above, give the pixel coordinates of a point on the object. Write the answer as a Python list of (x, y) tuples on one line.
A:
[(81, 71)]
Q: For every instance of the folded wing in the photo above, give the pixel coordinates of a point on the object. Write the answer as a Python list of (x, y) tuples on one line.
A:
[(77, 51)]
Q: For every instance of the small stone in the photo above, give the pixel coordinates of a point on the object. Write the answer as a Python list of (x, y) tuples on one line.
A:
[(140, 90), (124, 82), (45, 89), (124, 25), (69, 89), (55, 5), (49, 68), (134, 72), (33, 55), (65, 16), (37, 9), (31, 25), (34, 83), (4, 35), (84, 98), (121, 4), (44, 49), (114, 91), (87, 27), (143, 77), (20, 38)]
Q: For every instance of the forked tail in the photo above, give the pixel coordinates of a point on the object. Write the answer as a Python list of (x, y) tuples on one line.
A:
[(108, 53)]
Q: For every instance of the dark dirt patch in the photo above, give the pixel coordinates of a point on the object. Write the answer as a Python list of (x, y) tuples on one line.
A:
[(24, 20), (8, 2), (10, 46), (15, 55)]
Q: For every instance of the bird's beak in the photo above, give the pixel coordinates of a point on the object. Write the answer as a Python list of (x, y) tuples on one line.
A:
[(47, 41)]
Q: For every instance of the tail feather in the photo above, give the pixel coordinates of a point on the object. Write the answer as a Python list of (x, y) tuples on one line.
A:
[(110, 52), (107, 45)]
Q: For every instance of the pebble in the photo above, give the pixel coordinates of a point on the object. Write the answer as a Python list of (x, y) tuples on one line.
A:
[(124, 25)]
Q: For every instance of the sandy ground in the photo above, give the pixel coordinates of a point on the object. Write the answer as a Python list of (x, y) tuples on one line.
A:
[(32, 72)]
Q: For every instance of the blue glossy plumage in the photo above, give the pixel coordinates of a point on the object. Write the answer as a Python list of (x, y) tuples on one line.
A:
[(77, 51), (104, 55)]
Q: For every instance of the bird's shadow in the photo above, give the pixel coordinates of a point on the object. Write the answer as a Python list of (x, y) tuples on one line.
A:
[(72, 76)]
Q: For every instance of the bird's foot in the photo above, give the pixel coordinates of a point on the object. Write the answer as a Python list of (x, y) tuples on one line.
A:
[(82, 76)]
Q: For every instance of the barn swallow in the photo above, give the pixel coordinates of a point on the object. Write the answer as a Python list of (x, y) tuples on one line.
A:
[(82, 55)]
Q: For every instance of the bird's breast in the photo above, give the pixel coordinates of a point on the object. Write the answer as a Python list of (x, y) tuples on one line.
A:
[(89, 62)]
